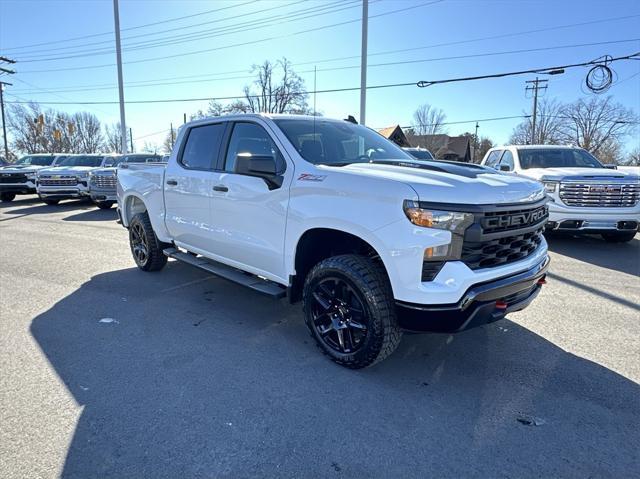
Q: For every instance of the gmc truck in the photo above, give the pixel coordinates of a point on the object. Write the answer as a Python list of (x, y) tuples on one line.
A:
[(69, 178), (19, 178), (585, 196), (332, 214)]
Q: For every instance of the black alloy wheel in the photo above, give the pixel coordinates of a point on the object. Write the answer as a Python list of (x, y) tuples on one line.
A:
[(339, 316), (139, 244)]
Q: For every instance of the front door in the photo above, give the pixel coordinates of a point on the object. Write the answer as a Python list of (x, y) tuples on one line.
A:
[(250, 214), (189, 188)]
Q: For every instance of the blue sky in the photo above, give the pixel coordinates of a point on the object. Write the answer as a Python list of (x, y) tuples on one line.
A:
[(421, 24)]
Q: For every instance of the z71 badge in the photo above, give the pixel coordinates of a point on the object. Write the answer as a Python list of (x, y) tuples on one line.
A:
[(310, 177)]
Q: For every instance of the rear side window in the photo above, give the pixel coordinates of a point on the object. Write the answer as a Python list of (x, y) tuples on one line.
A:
[(202, 146), (492, 159), (249, 138)]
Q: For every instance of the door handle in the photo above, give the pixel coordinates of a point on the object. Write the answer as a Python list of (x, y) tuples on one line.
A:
[(172, 182), (220, 188)]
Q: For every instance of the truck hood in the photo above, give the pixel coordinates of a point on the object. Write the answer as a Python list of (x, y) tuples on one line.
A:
[(21, 168), (108, 171), (451, 182), (66, 170), (577, 173)]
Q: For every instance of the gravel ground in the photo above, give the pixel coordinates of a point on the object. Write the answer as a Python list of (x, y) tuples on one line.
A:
[(106, 371)]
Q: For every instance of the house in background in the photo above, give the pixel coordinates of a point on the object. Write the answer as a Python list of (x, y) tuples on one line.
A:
[(395, 134), (445, 147)]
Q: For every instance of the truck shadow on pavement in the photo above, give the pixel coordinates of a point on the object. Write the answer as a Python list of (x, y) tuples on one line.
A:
[(95, 214), (596, 251), (190, 376), (40, 208)]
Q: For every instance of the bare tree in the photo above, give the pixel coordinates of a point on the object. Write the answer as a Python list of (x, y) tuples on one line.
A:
[(85, 132), (169, 141), (151, 147), (633, 158), (112, 137), (268, 94), (428, 120), (27, 134), (597, 124), (549, 126), (484, 145)]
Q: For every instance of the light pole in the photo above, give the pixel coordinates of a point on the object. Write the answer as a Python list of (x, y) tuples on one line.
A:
[(363, 62), (123, 125)]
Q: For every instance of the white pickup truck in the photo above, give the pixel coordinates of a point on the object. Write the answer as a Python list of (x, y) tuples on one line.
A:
[(19, 178), (586, 196), (333, 214)]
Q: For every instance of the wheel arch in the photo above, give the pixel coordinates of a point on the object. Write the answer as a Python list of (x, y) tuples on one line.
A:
[(319, 243)]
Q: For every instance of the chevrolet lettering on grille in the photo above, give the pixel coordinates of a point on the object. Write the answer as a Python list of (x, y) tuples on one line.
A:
[(515, 219), (604, 189)]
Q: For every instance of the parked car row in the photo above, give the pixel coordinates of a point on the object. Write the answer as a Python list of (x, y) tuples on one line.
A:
[(57, 177)]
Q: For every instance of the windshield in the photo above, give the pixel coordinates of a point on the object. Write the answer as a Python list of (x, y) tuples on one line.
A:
[(421, 154), (35, 160), (557, 158), (82, 160), (338, 143)]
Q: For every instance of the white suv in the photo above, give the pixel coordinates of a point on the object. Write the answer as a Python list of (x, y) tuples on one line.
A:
[(586, 196)]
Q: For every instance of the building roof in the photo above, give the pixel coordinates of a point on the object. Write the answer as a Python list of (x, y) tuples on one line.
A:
[(442, 145)]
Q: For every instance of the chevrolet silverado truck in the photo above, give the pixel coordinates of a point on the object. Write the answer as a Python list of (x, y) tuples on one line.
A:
[(19, 178), (70, 178), (102, 181), (332, 214), (585, 196)]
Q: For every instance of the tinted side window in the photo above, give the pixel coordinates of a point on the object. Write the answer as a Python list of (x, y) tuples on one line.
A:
[(493, 158), (254, 140), (507, 159), (202, 146)]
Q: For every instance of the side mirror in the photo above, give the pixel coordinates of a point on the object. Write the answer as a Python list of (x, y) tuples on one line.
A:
[(261, 167), (504, 168), (611, 167)]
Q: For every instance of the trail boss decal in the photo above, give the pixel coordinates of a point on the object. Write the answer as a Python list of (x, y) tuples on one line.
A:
[(310, 177)]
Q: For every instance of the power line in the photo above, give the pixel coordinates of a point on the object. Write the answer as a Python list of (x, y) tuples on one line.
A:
[(253, 42), (546, 70), (93, 35), (158, 82), (278, 19), (420, 84), (437, 45)]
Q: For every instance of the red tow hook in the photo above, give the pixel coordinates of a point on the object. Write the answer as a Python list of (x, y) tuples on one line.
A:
[(542, 281), (501, 305)]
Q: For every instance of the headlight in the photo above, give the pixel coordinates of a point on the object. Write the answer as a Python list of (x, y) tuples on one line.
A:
[(454, 221), (550, 186), (83, 175), (32, 176)]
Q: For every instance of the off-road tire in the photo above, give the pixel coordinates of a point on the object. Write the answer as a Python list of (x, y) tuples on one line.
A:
[(369, 279), (619, 236), (155, 258), (7, 197), (104, 205)]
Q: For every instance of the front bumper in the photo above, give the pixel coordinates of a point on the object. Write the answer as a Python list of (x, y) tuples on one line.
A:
[(20, 188), (62, 192), (592, 220), (481, 304), (102, 194)]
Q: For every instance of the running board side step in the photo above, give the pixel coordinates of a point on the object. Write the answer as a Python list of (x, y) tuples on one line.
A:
[(249, 280)]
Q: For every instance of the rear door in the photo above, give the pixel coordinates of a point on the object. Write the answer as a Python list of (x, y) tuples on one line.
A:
[(188, 186)]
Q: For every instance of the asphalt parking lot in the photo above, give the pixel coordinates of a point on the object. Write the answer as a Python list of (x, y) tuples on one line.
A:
[(106, 371)]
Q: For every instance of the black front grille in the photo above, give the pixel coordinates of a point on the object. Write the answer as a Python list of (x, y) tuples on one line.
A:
[(500, 251), (13, 178)]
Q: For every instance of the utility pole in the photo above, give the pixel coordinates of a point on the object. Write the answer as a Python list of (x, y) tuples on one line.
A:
[(536, 86), (363, 62), (123, 124), (477, 144), (171, 125), (131, 141), (184, 118), (4, 121)]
